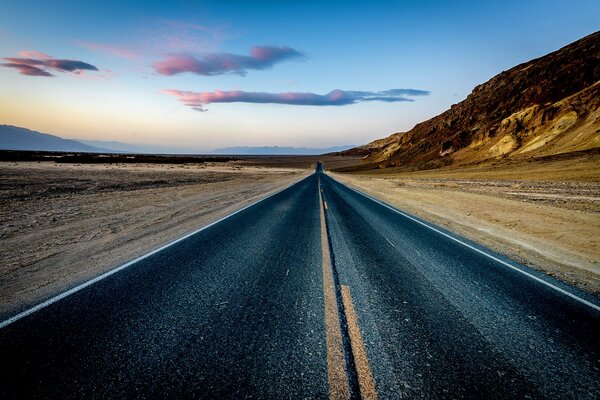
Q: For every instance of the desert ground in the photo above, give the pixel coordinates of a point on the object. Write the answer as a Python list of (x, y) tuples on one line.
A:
[(544, 213), (63, 223)]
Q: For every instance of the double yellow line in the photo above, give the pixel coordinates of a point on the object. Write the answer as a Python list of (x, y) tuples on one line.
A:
[(337, 376)]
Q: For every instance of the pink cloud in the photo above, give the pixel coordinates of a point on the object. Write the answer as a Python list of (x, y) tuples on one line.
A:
[(175, 64), (39, 64), (337, 97), (33, 54), (261, 57)]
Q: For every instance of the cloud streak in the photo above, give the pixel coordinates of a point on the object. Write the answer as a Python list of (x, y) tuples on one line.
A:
[(260, 57), (181, 37), (33, 63), (116, 51), (337, 97)]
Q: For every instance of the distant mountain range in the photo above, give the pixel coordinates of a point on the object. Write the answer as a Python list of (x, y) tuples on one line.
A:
[(15, 138), (276, 150), (112, 145)]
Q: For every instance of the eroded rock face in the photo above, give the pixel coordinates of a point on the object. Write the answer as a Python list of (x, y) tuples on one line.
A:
[(546, 106)]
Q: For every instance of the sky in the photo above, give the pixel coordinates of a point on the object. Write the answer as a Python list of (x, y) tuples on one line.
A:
[(197, 75)]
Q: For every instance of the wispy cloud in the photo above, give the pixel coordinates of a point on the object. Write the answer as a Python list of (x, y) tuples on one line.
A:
[(102, 74), (34, 54), (34, 63), (260, 57), (117, 51), (197, 100), (176, 36), (154, 38)]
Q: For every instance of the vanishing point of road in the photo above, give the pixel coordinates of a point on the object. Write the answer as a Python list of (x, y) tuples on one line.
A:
[(318, 292)]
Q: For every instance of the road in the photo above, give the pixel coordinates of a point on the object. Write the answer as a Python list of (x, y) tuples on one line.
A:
[(315, 292)]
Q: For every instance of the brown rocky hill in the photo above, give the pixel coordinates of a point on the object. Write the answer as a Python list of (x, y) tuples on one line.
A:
[(547, 106)]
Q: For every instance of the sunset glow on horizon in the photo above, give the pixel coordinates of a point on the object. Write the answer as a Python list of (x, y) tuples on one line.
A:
[(199, 75)]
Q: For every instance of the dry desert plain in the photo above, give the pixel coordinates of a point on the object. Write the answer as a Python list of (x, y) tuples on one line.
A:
[(64, 223)]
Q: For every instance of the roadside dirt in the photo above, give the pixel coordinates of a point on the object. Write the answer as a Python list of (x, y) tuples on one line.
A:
[(65, 223), (553, 226)]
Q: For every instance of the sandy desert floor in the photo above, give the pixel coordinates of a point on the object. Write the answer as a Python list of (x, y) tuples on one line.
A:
[(543, 215), (65, 223)]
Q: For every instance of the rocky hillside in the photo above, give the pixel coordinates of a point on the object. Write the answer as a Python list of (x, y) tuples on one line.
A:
[(546, 106)]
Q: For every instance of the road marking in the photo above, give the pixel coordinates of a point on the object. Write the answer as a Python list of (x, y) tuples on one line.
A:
[(540, 280), (391, 244), (337, 378), (363, 371), (130, 263)]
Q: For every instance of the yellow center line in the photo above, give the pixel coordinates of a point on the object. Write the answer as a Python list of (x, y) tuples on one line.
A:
[(337, 378), (363, 371)]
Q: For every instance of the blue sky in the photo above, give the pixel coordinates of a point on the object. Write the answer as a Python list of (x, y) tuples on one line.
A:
[(340, 58)]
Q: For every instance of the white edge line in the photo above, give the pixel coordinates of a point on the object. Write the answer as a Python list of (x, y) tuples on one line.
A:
[(558, 289), (69, 292)]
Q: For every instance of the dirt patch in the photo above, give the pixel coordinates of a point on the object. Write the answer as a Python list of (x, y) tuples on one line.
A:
[(65, 223)]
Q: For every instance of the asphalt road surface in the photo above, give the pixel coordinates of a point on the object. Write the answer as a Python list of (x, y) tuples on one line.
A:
[(315, 292)]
